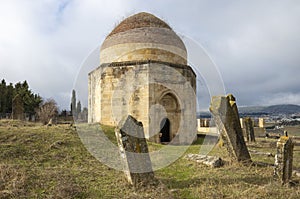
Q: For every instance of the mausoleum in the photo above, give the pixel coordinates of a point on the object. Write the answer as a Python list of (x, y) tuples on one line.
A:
[(143, 72)]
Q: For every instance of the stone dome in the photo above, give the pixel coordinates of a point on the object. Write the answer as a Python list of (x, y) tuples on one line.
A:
[(143, 37)]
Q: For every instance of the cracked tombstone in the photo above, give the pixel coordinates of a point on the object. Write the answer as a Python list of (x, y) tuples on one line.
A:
[(249, 130), (226, 117), (284, 159), (134, 152)]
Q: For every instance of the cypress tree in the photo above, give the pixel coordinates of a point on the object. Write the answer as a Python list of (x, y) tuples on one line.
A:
[(73, 103)]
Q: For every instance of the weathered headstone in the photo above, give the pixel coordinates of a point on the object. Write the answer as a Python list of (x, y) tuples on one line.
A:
[(284, 159), (249, 130), (227, 120), (134, 152), (17, 108)]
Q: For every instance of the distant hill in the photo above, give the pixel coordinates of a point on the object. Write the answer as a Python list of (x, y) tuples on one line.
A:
[(284, 108), (251, 109), (274, 109), (263, 110)]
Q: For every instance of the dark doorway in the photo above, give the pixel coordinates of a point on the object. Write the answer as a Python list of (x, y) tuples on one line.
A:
[(165, 130)]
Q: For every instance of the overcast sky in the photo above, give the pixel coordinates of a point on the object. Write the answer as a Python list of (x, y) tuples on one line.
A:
[(255, 45)]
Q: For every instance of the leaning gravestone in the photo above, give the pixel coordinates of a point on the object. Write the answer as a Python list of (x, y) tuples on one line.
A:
[(284, 159), (134, 152), (17, 108), (226, 116), (249, 130)]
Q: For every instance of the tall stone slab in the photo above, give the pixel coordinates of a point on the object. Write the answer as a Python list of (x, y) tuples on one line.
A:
[(284, 159), (134, 152), (226, 116), (249, 130)]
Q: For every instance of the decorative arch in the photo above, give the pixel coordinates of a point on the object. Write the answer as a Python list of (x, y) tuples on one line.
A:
[(169, 100), (170, 124)]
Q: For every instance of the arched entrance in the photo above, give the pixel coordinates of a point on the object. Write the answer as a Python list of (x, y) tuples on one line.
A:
[(165, 130)]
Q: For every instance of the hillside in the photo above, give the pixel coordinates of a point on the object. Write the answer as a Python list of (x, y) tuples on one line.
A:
[(284, 108), (274, 109), (51, 162), (263, 110)]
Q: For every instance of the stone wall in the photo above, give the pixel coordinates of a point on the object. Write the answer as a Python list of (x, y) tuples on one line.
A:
[(149, 91), (94, 98)]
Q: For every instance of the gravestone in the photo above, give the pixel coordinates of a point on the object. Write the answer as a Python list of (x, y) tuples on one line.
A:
[(226, 116), (284, 159), (211, 161), (134, 152), (242, 123), (50, 122), (261, 122), (249, 130), (17, 108)]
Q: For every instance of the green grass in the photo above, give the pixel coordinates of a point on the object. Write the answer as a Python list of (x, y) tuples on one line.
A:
[(51, 162)]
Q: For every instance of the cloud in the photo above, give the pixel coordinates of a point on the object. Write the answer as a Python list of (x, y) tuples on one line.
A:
[(255, 45), (258, 56), (281, 98), (45, 42)]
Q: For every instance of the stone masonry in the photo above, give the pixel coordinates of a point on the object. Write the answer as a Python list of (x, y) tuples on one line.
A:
[(147, 91)]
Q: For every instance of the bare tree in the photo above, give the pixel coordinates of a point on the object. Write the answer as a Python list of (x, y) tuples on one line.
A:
[(47, 111)]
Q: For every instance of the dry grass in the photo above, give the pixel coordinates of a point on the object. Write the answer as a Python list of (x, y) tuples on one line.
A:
[(12, 181), (51, 162)]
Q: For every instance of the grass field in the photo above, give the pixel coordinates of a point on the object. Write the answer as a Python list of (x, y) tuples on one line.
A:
[(51, 162)]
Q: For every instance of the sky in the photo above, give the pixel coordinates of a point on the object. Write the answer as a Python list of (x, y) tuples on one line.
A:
[(255, 45)]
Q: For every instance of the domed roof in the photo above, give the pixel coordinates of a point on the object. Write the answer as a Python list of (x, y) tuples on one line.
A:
[(143, 37), (139, 20)]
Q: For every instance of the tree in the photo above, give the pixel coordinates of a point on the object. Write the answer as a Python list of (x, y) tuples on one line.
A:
[(10, 96), (47, 111), (3, 96), (84, 114), (73, 103), (18, 108), (63, 113), (78, 111), (8, 92), (31, 101)]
